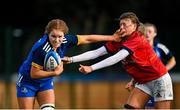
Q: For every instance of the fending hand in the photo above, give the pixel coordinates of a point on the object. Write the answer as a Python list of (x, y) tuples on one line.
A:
[(118, 35)]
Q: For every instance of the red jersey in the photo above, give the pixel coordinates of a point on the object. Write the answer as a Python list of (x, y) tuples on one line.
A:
[(142, 64)]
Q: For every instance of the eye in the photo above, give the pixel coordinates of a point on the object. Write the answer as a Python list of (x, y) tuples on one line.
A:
[(53, 36), (60, 36)]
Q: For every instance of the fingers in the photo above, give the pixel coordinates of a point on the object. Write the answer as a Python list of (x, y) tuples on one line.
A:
[(80, 65), (61, 64), (120, 32), (64, 59), (85, 69), (81, 69), (67, 60), (59, 69)]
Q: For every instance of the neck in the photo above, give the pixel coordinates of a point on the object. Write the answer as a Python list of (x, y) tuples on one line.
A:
[(151, 43)]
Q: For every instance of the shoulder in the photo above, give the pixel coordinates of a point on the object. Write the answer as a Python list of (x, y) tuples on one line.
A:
[(69, 38), (162, 47), (41, 41), (136, 38), (42, 45)]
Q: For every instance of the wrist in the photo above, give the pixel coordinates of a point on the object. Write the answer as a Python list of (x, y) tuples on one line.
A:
[(92, 68), (71, 59)]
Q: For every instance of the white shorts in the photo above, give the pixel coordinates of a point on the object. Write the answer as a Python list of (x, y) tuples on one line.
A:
[(161, 88)]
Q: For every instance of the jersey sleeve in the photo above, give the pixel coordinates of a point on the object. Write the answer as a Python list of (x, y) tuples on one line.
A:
[(166, 54), (71, 40)]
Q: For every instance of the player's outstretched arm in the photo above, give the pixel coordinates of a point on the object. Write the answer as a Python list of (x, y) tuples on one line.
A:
[(85, 39), (89, 55), (106, 62)]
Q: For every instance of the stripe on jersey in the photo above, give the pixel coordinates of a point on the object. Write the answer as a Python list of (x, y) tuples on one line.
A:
[(64, 40), (78, 37), (47, 47), (163, 47), (37, 66)]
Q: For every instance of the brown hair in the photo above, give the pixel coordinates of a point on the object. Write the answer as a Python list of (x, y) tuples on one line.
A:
[(56, 24), (131, 16), (142, 29)]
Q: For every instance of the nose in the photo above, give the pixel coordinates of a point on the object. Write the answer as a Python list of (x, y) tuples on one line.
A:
[(56, 40)]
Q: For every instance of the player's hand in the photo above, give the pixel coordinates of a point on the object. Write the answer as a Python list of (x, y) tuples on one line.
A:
[(85, 69), (67, 60), (118, 35), (130, 86), (59, 69)]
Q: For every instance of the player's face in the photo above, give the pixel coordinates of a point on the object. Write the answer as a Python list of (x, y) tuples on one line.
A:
[(127, 26), (56, 38), (150, 33)]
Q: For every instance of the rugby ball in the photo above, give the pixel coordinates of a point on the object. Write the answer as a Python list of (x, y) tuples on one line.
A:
[(52, 59)]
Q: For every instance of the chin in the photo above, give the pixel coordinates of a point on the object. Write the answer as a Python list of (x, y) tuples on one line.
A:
[(56, 46)]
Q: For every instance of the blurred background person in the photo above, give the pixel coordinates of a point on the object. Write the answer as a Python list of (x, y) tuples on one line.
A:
[(161, 50)]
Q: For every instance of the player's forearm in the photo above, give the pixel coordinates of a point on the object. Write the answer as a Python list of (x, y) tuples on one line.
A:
[(111, 60), (89, 55), (171, 63), (37, 73), (85, 39)]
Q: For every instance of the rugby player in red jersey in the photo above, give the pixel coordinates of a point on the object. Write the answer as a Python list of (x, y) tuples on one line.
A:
[(138, 58)]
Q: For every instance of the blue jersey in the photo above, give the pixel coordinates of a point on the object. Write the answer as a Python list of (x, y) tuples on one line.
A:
[(162, 51), (38, 52)]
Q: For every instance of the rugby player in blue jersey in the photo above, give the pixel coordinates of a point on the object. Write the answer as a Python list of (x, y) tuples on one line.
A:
[(33, 81)]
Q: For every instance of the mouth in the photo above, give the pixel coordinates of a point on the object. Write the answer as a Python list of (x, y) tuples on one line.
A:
[(56, 44)]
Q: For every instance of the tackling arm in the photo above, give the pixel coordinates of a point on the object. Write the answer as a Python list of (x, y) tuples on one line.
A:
[(105, 63), (90, 55), (111, 60)]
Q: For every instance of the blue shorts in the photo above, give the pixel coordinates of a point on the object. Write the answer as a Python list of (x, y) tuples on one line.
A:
[(150, 103), (29, 88)]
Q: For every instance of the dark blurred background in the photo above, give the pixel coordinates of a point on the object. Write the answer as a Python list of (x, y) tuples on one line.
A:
[(22, 22)]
